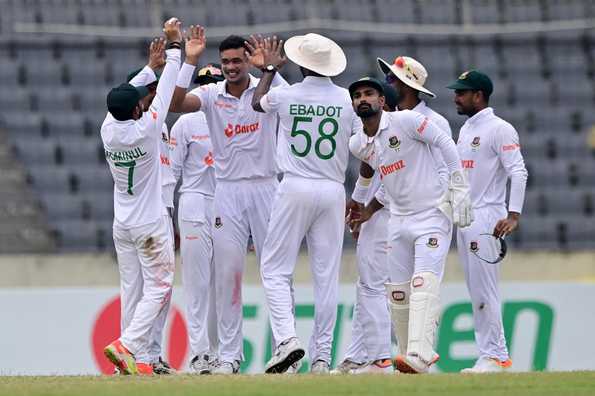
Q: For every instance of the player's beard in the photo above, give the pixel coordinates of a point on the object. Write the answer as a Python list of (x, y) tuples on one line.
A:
[(367, 111)]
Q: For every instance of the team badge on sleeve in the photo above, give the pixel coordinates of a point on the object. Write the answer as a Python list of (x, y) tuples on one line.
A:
[(218, 222), (475, 142), (432, 243), (393, 142), (473, 246)]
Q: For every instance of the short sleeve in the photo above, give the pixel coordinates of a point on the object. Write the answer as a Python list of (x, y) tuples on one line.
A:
[(204, 93), (271, 101)]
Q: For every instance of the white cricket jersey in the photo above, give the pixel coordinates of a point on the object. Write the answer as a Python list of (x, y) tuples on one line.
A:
[(168, 182), (490, 154), (441, 123), (243, 140), (192, 155), (400, 151), (143, 78), (316, 121), (132, 152)]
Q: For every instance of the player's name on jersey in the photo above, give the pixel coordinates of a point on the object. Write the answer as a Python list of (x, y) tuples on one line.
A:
[(127, 155), (310, 110)]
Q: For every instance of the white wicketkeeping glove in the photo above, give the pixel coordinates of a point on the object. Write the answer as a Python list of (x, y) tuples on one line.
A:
[(456, 202)]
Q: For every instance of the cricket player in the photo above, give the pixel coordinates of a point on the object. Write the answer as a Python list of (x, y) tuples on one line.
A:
[(148, 76), (142, 231), (422, 213), (244, 153), (192, 162), (316, 121), (491, 154), (370, 348)]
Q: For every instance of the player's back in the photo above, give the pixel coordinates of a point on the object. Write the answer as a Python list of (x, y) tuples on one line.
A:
[(133, 157), (316, 121)]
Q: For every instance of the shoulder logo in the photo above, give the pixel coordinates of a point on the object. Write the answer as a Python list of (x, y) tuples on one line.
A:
[(473, 246), (218, 222), (394, 142), (475, 142), (432, 243)]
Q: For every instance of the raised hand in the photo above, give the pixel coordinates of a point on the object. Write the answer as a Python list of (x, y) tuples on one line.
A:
[(273, 52), (255, 53), (196, 42), (157, 53), (172, 30)]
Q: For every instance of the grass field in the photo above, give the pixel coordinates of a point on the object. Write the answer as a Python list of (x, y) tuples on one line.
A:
[(558, 384)]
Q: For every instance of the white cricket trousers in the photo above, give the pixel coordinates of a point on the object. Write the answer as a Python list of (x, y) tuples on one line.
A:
[(146, 262), (418, 243), (315, 209), (371, 325), (482, 282), (241, 208), (195, 215)]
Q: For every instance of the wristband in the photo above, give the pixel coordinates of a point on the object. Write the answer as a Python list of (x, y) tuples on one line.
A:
[(360, 191), (174, 44), (185, 75)]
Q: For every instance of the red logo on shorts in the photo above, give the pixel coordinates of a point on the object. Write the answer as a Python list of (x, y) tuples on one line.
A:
[(106, 329)]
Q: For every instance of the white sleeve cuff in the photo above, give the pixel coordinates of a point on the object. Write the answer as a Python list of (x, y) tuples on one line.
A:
[(264, 103), (185, 75)]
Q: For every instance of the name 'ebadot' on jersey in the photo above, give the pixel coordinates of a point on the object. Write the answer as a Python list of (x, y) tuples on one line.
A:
[(132, 152), (400, 151), (243, 139), (316, 121), (490, 153)]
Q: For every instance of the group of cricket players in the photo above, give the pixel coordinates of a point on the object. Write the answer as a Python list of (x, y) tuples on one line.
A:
[(238, 137)]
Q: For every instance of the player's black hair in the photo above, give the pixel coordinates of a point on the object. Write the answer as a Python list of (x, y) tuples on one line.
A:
[(232, 42)]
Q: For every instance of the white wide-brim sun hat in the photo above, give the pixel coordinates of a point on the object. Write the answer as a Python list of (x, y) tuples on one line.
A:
[(408, 70), (317, 53)]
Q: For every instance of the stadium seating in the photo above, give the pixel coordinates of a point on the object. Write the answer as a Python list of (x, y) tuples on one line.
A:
[(52, 99)]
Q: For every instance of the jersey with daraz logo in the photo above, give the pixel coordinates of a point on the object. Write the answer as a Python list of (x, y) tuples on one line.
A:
[(402, 156), (244, 140), (192, 154), (490, 153)]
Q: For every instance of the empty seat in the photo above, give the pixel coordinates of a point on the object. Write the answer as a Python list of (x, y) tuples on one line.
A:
[(62, 206), (538, 233)]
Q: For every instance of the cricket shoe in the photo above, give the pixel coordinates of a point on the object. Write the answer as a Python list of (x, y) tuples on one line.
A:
[(413, 364), (121, 358), (347, 367), (294, 368), (163, 368), (201, 364), (144, 368), (320, 367), (381, 366), (287, 353), (227, 368), (488, 365)]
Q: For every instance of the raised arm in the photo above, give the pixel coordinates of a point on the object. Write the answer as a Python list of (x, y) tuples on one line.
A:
[(156, 62), (166, 85), (196, 43), (273, 60)]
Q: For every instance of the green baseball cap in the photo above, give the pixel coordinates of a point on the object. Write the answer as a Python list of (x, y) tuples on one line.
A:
[(122, 100), (473, 80), (366, 81)]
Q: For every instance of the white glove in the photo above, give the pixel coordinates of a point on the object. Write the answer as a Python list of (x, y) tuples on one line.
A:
[(456, 201)]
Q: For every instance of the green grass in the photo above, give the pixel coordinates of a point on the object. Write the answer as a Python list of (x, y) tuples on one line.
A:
[(558, 384)]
